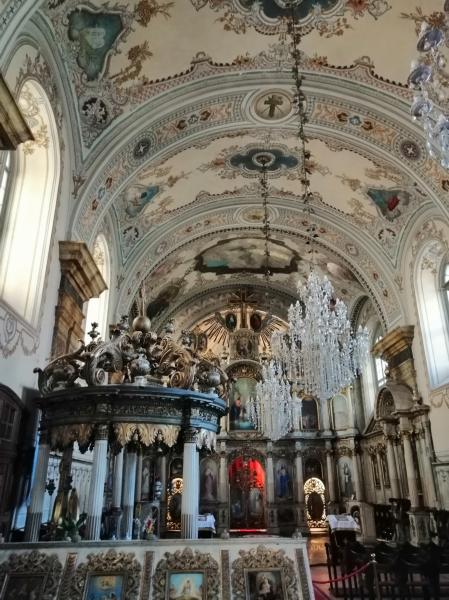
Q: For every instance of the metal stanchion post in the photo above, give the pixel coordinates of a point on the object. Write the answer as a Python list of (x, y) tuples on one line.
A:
[(373, 563)]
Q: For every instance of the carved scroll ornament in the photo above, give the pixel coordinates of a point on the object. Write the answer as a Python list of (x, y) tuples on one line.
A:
[(147, 433)]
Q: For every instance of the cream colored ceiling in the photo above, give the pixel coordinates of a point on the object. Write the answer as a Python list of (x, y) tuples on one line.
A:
[(186, 196)]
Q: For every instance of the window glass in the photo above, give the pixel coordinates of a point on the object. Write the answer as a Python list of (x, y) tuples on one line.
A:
[(4, 178), (28, 222)]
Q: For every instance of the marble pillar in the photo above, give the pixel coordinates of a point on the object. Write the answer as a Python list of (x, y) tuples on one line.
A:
[(117, 486), (410, 469), (223, 475), (392, 468), (139, 476), (330, 472), (428, 459), (357, 476), (34, 515), (270, 474), (129, 491), (191, 487), (97, 481), (299, 474)]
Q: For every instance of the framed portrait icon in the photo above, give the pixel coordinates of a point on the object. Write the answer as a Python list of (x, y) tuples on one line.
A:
[(186, 585), (105, 586), (24, 586), (264, 584)]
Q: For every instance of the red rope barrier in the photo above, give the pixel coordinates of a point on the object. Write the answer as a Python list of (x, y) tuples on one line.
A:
[(319, 594), (343, 577)]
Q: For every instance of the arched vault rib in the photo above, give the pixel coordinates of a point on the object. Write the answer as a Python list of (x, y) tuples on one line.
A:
[(115, 172), (372, 275)]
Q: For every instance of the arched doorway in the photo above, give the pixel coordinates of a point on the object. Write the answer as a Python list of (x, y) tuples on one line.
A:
[(247, 494), (315, 503)]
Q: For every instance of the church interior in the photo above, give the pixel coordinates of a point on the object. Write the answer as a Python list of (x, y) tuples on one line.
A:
[(224, 299)]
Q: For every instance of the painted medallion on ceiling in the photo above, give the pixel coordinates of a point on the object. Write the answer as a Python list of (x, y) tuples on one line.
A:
[(268, 16)]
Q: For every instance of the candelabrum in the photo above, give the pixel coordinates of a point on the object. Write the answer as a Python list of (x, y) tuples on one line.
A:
[(429, 78)]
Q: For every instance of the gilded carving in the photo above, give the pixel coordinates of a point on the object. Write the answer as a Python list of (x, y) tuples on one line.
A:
[(148, 433), (263, 558), (62, 436), (37, 564), (108, 563), (187, 560)]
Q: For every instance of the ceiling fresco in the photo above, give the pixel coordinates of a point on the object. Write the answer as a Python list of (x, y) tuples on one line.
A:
[(115, 51), (375, 195), (175, 102)]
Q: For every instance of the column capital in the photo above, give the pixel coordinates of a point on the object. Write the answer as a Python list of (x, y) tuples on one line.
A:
[(190, 435), (102, 432)]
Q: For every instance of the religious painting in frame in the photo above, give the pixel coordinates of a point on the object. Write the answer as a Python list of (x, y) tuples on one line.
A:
[(186, 575), (186, 585), (32, 575), (244, 378), (111, 575), (264, 583), (105, 585), (264, 573), (23, 585)]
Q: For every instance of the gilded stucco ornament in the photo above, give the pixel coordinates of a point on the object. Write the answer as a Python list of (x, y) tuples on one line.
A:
[(138, 356), (262, 558), (108, 563), (35, 564), (147, 433)]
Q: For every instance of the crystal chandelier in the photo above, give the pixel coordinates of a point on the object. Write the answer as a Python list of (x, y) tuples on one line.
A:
[(319, 352), (272, 409), (429, 78)]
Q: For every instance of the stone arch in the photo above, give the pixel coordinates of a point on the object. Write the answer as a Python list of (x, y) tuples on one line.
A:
[(393, 397)]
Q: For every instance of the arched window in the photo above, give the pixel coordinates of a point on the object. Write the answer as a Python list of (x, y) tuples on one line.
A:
[(379, 364), (432, 295), (29, 206), (97, 308)]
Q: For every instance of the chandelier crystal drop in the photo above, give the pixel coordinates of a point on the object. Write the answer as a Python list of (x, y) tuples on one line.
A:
[(429, 78), (272, 411), (319, 351)]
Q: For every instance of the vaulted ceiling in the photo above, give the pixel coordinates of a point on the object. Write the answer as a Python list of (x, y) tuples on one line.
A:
[(170, 104)]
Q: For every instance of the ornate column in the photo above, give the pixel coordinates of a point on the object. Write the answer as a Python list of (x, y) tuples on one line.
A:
[(428, 459), (97, 481), (391, 461), (162, 466), (117, 486), (381, 473), (191, 484), (223, 485), (330, 472), (299, 473), (139, 476), (34, 515), (357, 474), (270, 474), (410, 469), (129, 490)]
